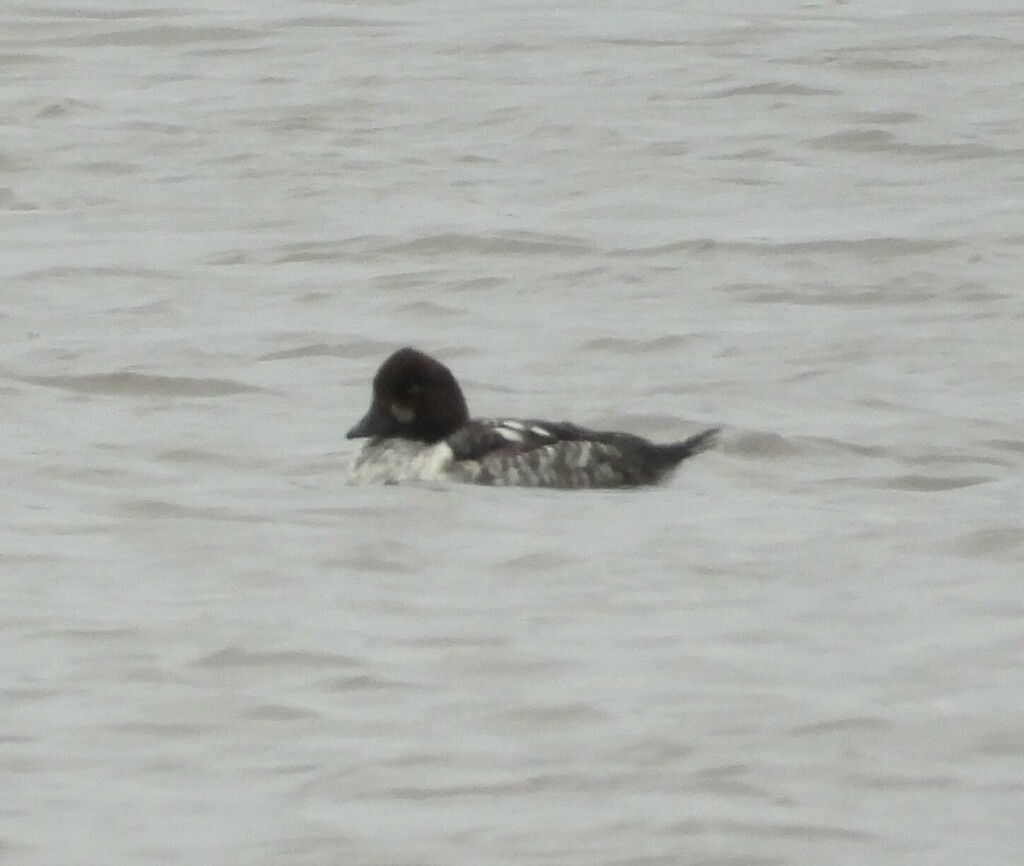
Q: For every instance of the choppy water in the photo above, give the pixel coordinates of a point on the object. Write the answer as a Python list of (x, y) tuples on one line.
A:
[(799, 220)]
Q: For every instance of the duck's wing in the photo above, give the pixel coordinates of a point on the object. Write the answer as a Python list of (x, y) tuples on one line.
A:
[(566, 456), (506, 437), (538, 454)]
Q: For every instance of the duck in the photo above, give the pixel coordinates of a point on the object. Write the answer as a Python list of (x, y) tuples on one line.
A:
[(419, 428)]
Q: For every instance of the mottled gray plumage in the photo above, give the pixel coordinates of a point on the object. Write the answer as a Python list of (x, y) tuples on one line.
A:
[(569, 457)]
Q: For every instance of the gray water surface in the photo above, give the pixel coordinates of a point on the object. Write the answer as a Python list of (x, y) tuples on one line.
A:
[(802, 221)]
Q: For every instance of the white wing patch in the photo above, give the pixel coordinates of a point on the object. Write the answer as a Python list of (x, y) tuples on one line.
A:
[(510, 431), (517, 431)]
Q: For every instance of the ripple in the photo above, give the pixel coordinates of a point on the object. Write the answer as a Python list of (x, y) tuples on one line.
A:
[(353, 350), (142, 385), (768, 830), (65, 107), (237, 657), (881, 140), (877, 248), (763, 445), (156, 509), (810, 296), (24, 59), (1005, 542), (364, 683), (520, 243), (899, 782), (554, 715), (167, 35), (845, 725), (536, 561), (727, 781), (319, 251), (318, 21), (918, 483), (771, 88), (163, 730), (625, 346), (529, 785), (430, 309), (192, 456), (369, 562), (278, 713), (92, 634), (1013, 445), (77, 272)]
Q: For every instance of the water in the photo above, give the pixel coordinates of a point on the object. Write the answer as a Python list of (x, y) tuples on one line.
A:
[(803, 222)]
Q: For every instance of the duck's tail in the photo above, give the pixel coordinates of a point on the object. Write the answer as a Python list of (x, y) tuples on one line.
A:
[(674, 454)]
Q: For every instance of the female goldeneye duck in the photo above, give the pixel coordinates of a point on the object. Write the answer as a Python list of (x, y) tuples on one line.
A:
[(419, 429)]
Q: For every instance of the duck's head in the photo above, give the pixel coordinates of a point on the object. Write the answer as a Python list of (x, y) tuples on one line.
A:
[(414, 397)]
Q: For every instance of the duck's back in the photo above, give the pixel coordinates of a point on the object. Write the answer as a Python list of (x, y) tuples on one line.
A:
[(541, 454)]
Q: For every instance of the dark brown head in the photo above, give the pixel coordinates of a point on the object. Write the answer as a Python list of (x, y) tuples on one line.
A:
[(414, 397)]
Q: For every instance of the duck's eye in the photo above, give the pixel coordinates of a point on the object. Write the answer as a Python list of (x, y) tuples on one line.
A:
[(412, 390)]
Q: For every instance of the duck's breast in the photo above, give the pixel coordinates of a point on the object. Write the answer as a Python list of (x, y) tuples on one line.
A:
[(390, 460)]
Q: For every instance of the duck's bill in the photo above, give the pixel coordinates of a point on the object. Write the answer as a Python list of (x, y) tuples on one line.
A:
[(376, 422)]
